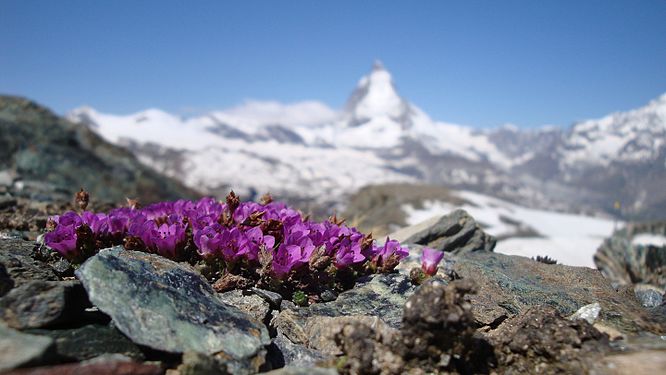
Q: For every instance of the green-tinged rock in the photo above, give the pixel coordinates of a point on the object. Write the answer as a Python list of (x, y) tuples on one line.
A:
[(19, 349), (169, 306), (381, 295), (287, 353), (90, 341), (37, 304), (377, 300), (509, 285)]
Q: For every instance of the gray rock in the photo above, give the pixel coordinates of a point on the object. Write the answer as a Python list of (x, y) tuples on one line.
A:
[(169, 306), (17, 266), (381, 295), (456, 233), (648, 295), (303, 370), (19, 349), (37, 304), (376, 300), (589, 313), (90, 341), (252, 304), (509, 285), (287, 353), (7, 200), (202, 364), (274, 299), (625, 263)]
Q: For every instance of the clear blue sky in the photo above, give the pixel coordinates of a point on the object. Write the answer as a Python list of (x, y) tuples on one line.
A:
[(480, 63)]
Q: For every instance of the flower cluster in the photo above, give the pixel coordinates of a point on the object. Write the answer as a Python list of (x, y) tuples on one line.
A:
[(247, 238)]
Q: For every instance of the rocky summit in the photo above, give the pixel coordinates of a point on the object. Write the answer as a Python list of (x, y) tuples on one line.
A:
[(480, 312)]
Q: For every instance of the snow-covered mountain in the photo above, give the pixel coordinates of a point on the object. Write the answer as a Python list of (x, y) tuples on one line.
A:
[(310, 151)]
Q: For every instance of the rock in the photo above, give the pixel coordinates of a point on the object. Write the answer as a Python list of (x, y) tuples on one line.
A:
[(201, 364), (99, 366), (540, 340), (38, 304), (437, 336), (456, 233), (7, 200), (647, 362), (19, 349), (90, 341), (625, 260), (169, 306), (274, 299), (648, 295), (376, 300), (588, 313), (19, 266), (252, 304), (511, 284), (380, 295), (302, 370), (286, 353), (62, 268)]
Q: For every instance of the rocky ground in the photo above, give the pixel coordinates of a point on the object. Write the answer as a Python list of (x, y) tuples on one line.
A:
[(124, 312)]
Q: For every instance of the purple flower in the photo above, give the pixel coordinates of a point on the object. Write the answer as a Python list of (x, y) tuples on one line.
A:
[(392, 247), (251, 241), (63, 239), (208, 240), (167, 239), (430, 258), (97, 222), (286, 259)]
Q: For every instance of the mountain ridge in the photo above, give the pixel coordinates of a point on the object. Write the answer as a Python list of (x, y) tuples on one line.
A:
[(381, 137)]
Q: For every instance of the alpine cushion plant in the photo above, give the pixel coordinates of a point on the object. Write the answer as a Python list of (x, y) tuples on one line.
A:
[(236, 243)]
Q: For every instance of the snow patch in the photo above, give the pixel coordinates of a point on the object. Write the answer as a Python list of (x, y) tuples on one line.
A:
[(569, 238)]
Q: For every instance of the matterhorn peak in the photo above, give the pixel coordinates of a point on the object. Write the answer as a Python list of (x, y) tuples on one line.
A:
[(375, 96)]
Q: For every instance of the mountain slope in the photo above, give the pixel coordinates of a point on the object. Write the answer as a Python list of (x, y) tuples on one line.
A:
[(308, 150), (50, 157)]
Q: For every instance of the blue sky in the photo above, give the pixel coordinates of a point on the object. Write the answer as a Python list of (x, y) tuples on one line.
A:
[(479, 63)]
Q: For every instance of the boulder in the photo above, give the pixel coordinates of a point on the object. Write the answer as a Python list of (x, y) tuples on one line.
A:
[(456, 233), (170, 307), (38, 304), (509, 285)]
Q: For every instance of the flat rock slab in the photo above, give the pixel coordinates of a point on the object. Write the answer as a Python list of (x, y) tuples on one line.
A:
[(511, 284), (17, 266), (19, 349), (90, 341), (168, 306), (37, 304)]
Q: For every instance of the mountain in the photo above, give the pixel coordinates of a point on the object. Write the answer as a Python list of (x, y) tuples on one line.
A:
[(308, 151), (46, 157)]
